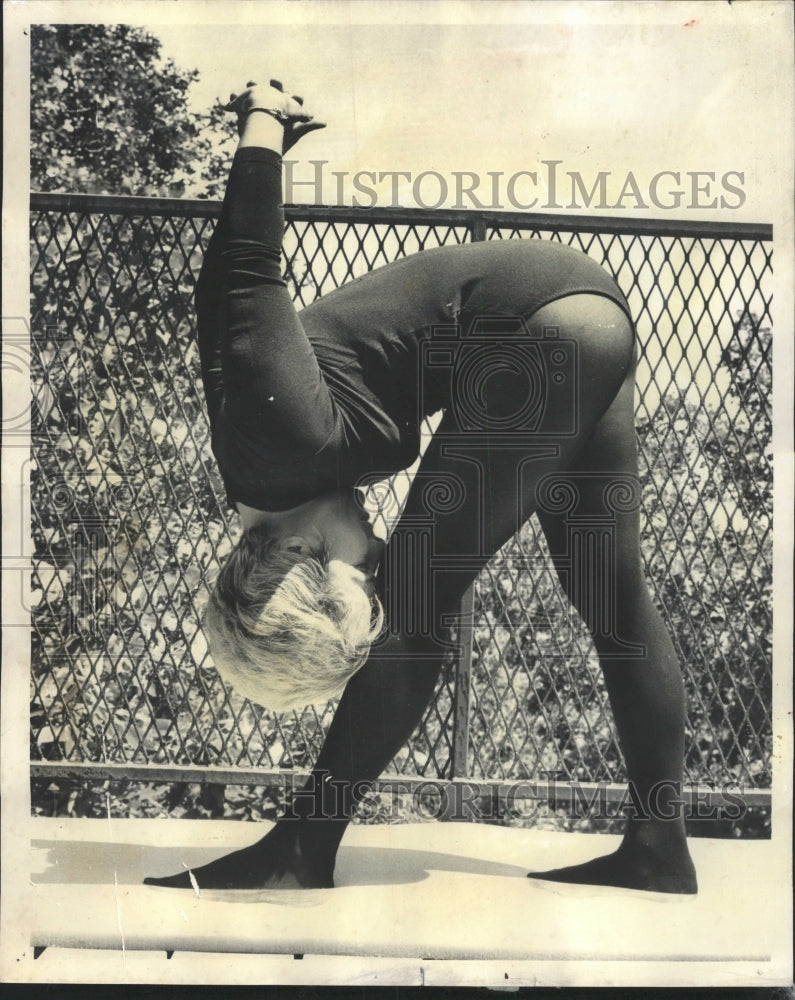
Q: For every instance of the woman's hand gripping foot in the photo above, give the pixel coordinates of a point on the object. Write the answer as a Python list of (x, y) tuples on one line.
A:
[(273, 100)]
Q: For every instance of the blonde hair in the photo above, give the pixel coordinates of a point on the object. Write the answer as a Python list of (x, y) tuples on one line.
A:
[(288, 629)]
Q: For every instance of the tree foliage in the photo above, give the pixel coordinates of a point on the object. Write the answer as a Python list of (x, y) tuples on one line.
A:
[(110, 115)]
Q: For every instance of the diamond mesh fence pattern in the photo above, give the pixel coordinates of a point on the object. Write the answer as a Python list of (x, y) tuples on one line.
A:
[(129, 518)]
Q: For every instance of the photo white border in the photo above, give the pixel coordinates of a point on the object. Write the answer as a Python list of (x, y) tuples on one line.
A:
[(15, 960)]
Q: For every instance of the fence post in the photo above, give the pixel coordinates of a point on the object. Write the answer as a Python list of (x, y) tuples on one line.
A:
[(459, 765), (477, 228)]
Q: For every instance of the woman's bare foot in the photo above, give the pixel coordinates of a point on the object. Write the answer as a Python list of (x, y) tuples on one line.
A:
[(274, 862), (662, 867), (287, 109)]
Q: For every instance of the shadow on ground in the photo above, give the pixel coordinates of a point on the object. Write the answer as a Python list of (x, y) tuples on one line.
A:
[(97, 863)]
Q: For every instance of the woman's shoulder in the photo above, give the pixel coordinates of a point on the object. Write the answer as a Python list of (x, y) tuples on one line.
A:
[(250, 516)]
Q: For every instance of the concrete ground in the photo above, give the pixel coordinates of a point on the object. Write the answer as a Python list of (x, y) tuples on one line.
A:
[(408, 897)]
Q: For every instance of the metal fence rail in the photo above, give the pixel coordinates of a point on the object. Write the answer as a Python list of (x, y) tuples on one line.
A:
[(129, 518)]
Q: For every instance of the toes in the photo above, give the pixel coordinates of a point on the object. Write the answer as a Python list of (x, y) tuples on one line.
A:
[(294, 132), (180, 881), (308, 126)]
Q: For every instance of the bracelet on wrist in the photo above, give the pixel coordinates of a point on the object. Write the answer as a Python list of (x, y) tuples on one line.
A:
[(282, 117)]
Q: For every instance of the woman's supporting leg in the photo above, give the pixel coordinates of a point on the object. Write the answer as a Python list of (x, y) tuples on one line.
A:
[(497, 490), (606, 584), (379, 710)]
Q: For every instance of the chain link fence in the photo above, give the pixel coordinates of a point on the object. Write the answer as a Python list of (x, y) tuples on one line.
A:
[(129, 519)]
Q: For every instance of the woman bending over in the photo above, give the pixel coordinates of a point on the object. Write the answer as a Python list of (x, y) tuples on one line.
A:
[(528, 348)]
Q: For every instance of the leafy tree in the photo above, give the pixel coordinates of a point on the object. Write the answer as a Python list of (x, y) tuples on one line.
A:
[(748, 356), (109, 115), (707, 481)]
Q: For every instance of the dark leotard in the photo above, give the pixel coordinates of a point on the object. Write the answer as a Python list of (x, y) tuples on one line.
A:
[(301, 404)]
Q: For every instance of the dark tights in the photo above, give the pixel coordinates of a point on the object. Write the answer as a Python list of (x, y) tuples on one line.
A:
[(384, 701)]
